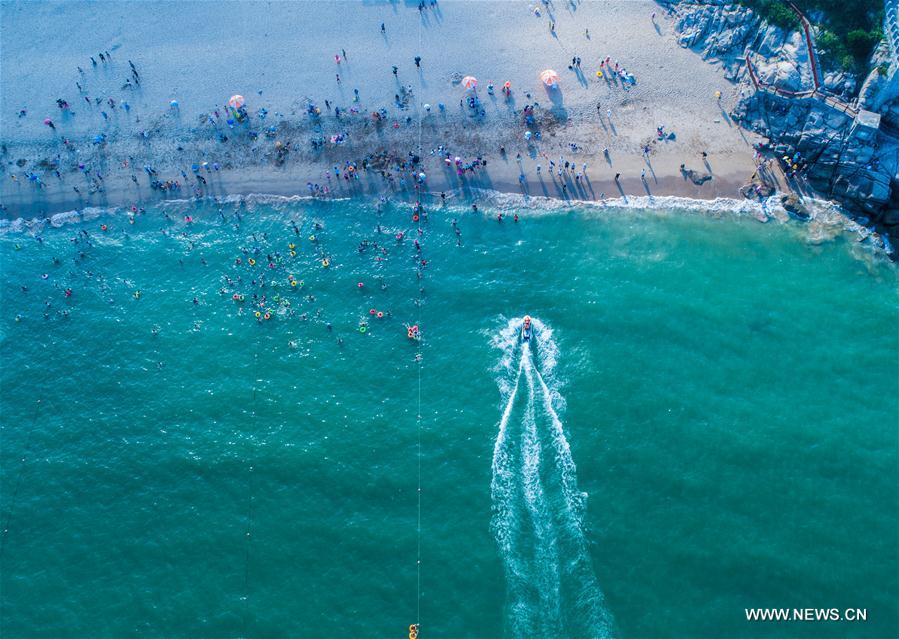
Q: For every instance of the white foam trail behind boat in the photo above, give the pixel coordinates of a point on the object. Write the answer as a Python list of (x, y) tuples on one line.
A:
[(589, 600), (546, 555), (505, 520), (552, 590)]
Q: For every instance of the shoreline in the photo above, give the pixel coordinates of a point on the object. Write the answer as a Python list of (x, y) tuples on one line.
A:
[(663, 179), (827, 221)]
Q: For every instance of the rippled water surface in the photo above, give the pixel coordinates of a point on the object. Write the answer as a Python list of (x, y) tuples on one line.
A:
[(705, 421)]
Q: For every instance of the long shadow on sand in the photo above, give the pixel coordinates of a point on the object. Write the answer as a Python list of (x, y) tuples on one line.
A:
[(558, 104)]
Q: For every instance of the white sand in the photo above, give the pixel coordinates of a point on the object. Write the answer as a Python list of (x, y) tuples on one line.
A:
[(200, 53)]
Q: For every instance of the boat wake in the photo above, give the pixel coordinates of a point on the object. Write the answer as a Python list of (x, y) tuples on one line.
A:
[(538, 510)]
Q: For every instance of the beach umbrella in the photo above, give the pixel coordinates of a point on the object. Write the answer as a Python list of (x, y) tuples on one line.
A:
[(470, 82), (174, 104), (236, 101), (549, 77), (48, 121)]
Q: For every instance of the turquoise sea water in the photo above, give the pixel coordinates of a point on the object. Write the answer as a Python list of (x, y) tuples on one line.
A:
[(705, 422)]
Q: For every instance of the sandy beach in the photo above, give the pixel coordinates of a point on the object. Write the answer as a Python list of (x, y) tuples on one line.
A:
[(440, 318), (199, 55)]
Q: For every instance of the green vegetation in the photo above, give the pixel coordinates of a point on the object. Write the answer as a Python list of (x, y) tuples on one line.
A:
[(775, 12), (846, 36)]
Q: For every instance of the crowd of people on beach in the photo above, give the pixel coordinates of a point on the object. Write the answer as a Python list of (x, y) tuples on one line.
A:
[(238, 129)]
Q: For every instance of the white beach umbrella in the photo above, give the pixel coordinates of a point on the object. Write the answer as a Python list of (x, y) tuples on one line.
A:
[(549, 77)]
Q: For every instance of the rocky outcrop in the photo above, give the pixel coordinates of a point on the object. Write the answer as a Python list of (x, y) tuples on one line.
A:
[(880, 91), (794, 206), (847, 158)]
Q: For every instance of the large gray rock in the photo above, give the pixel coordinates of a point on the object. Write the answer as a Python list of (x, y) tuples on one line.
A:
[(844, 160)]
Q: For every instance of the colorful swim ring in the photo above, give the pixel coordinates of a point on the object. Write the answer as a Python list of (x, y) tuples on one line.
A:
[(362, 328), (267, 316), (372, 311)]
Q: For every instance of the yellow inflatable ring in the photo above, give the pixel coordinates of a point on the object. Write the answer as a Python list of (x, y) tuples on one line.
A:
[(293, 282), (257, 314), (291, 246), (252, 262), (326, 262), (293, 254)]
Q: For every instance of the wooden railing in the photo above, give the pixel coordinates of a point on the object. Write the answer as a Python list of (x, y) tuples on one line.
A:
[(818, 91), (810, 43)]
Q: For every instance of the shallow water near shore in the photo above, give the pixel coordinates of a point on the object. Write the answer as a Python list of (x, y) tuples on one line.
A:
[(706, 424)]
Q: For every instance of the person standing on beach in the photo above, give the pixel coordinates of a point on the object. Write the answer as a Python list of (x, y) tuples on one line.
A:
[(418, 61)]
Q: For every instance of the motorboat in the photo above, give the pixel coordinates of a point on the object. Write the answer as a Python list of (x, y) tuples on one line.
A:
[(527, 329)]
